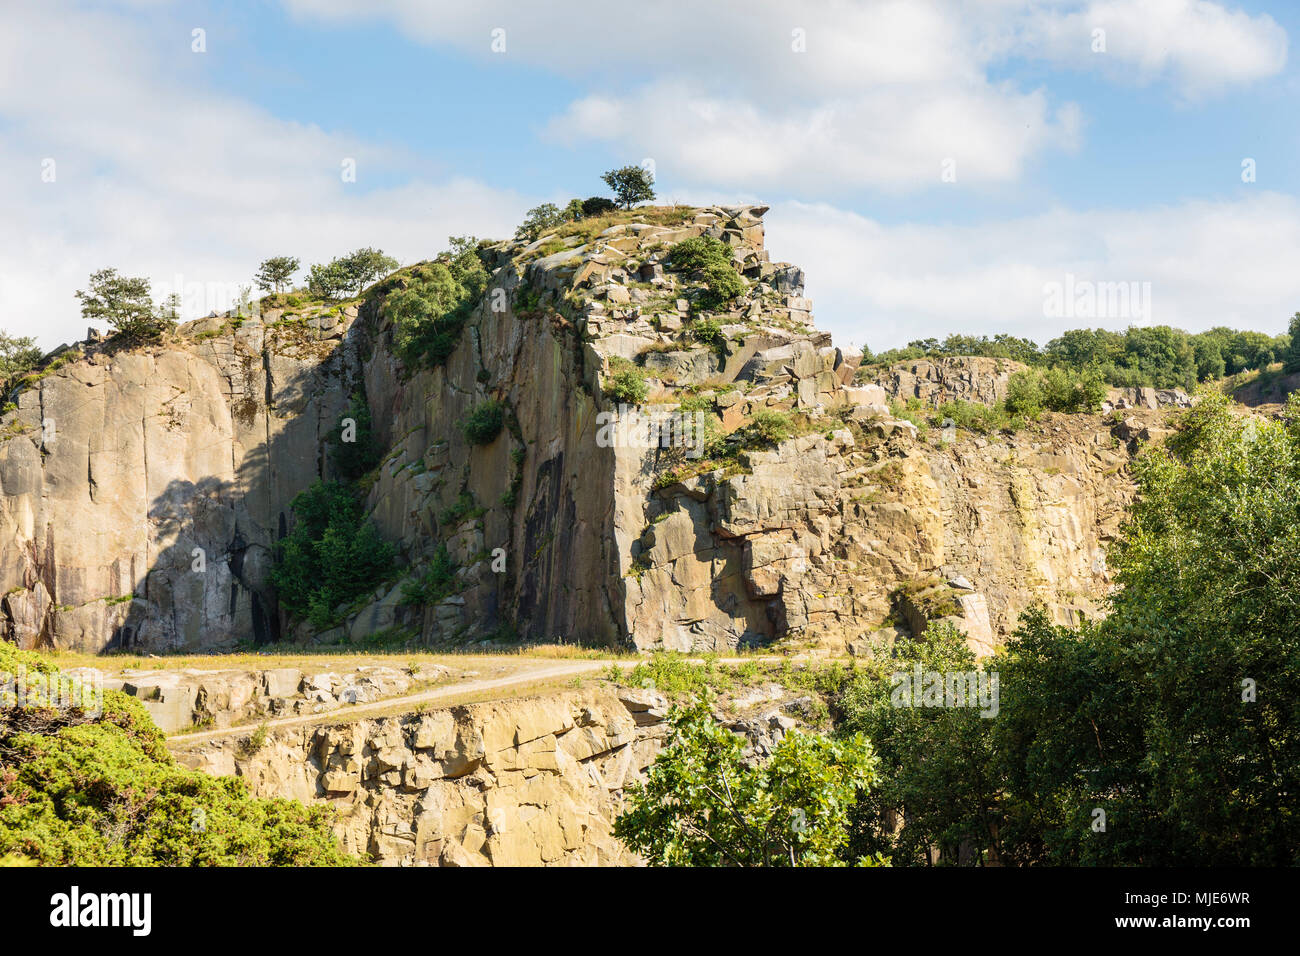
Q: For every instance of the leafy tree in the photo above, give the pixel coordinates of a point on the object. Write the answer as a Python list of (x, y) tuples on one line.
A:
[(332, 556), (364, 266), (328, 281), (85, 789), (1024, 394), (597, 206), (573, 211), (698, 252), (127, 305), (538, 220), (934, 786), (274, 273), (1291, 357), (722, 283), (702, 805), (631, 185), (18, 355)]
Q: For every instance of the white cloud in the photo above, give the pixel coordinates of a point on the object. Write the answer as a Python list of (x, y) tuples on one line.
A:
[(889, 139), (159, 177), (1208, 263), (1200, 47), (882, 93)]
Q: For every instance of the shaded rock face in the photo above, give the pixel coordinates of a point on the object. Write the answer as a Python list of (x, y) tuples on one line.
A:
[(143, 490), (528, 782)]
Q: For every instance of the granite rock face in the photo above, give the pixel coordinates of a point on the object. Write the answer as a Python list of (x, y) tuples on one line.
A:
[(526, 782), (141, 491), (585, 519)]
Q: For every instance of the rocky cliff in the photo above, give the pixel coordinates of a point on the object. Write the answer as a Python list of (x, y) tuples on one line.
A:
[(141, 491), (526, 782)]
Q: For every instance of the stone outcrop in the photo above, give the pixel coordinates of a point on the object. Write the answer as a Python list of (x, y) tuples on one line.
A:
[(526, 782), (934, 381), (141, 491), (568, 525), (180, 700)]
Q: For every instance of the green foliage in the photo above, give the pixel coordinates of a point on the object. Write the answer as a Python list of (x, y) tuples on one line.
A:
[(1173, 715), (712, 259), (434, 583), (327, 280), (934, 782), (627, 382), (362, 267), (275, 273), (1160, 356), (127, 305), (597, 206), (767, 428), (18, 356), (1291, 357), (722, 283), (631, 185), (461, 509), (709, 332), (84, 790), (698, 252), (539, 219), (1024, 394), (484, 422), (701, 805), (428, 304), (357, 456), (573, 211), (332, 556)]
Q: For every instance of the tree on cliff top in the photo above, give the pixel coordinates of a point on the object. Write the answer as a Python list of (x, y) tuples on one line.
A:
[(127, 305), (18, 355), (631, 185), (274, 273)]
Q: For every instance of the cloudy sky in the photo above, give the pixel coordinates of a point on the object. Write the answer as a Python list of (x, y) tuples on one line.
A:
[(933, 166)]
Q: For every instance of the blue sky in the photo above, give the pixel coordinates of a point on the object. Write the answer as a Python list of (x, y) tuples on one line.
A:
[(1118, 164)]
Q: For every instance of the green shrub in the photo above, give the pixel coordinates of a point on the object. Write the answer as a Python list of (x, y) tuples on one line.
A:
[(332, 556), (539, 220), (462, 508), (722, 283), (1024, 394), (708, 332), (429, 303), (358, 456), (434, 583), (83, 790), (698, 252), (627, 382), (702, 805), (768, 428), (484, 422)]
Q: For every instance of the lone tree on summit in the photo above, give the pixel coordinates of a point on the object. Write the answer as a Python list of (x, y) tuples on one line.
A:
[(127, 305), (631, 185), (274, 273)]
